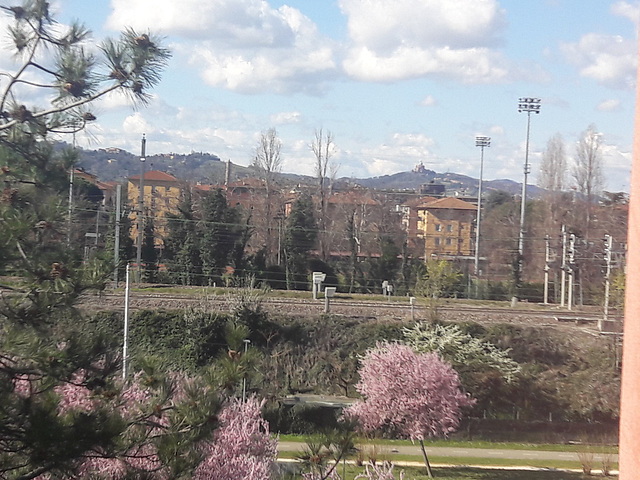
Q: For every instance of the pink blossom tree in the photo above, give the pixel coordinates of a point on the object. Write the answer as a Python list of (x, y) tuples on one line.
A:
[(408, 394), (168, 428), (241, 448)]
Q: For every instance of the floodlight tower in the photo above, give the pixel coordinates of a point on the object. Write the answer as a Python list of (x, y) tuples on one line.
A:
[(528, 105), (481, 142)]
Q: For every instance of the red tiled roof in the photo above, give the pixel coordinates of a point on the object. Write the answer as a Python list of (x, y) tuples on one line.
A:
[(451, 203), (420, 202), (155, 175), (351, 198), (209, 187), (248, 182)]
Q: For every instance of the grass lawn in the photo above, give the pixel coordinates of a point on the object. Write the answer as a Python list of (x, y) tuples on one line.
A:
[(382, 451), (549, 447), (462, 473)]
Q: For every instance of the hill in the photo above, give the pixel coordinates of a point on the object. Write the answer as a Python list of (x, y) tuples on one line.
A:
[(114, 164)]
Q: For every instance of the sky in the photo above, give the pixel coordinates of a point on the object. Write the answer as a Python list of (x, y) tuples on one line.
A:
[(396, 82)]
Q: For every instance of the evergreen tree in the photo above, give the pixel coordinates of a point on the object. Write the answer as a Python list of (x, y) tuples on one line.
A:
[(221, 235), (301, 233), (182, 246), (63, 407), (204, 240), (126, 247), (149, 252)]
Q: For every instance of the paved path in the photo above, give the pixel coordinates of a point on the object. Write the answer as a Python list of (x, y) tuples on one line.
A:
[(497, 453)]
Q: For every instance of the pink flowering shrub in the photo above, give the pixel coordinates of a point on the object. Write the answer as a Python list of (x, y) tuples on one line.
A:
[(241, 448), (152, 412), (412, 395)]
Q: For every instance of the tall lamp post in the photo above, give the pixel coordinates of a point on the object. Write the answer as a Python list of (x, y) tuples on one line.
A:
[(528, 105), (481, 142), (141, 211)]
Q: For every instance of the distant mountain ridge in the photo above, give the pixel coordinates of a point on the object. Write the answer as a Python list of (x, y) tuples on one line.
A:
[(453, 182), (115, 164)]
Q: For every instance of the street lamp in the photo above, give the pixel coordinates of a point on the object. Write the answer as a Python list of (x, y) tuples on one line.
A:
[(141, 210), (481, 142), (529, 105)]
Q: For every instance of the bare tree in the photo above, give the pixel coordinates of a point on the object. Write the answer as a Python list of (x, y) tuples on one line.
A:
[(587, 171), (267, 159), (268, 162), (553, 175), (323, 148), (553, 168)]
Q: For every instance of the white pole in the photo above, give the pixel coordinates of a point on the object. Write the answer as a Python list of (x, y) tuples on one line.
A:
[(563, 274), (70, 213), (546, 270), (607, 247), (116, 240), (126, 328), (480, 142), (572, 246)]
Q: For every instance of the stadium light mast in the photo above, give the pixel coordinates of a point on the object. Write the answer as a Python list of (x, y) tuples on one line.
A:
[(481, 142), (528, 105)]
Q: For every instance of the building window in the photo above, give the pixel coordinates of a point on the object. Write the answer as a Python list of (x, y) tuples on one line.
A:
[(438, 227), (437, 241), (448, 241), (449, 228)]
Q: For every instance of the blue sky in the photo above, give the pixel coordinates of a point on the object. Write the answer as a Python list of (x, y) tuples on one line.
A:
[(397, 82)]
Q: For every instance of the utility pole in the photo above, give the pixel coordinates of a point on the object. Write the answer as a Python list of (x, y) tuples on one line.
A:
[(608, 244), (546, 269), (116, 240), (563, 274), (572, 257), (70, 214), (141, 212), (125, 343)]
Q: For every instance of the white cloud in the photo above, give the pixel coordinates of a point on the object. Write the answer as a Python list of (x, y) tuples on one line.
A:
[(609, 105), (136, 123), (413, 38), (497, 130), (428, 101), (400, 154), (608, 59), (286, 118), (241, 45), (630, 10)]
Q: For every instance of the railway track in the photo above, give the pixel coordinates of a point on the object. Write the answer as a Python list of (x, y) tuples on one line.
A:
[(451, 311)]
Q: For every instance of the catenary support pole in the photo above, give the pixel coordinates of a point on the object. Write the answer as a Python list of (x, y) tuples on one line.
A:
[(572, 250), (629, 459), (125, 343), (546, 269), (607, 280), (563, 273), (116, 240)]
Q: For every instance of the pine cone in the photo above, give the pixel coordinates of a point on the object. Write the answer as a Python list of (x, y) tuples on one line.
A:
[(143, 41), (58, 270), (22, 114)]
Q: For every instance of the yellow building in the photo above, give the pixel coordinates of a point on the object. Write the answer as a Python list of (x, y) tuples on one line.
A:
[(161, 196), (447, 226)]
